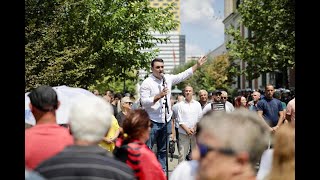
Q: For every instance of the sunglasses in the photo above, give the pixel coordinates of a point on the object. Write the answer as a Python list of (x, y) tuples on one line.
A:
[(224, 98), (204, 149), (130, 103)]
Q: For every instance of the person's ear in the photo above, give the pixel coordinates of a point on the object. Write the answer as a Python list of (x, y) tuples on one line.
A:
[(242, 160), (30, 107)]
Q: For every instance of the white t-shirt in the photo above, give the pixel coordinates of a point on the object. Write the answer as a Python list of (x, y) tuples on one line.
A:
[(265, 164), (186, 170)]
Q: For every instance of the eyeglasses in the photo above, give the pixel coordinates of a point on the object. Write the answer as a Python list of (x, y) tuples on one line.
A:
[(158, 67), (130, 103), (204, 149)]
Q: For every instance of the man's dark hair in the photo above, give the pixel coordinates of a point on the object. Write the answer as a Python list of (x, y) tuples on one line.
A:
[(44, 98), (277, 94), (156, 60), (118, 95)]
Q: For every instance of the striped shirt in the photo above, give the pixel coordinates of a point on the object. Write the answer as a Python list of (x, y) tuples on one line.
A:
[(84, 162)]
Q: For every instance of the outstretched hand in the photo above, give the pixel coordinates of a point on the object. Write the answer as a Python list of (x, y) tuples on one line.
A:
[(202, 60)]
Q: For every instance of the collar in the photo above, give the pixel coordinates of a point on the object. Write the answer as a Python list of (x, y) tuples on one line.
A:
[(192, 101), (92, 149), (155, 78)]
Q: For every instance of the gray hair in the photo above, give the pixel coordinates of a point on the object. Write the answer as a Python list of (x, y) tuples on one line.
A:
[(90, 118), (240, 130), (203, 91)]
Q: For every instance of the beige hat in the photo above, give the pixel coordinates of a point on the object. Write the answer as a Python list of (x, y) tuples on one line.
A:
[(126, 99)]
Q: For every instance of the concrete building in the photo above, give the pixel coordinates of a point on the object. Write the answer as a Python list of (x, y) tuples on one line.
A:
[(174, 51), (231, 18), (165, 3)]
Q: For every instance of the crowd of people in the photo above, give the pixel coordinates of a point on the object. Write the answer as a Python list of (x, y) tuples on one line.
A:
[(113, 136)]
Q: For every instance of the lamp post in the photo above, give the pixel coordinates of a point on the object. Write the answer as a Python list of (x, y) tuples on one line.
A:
[(176, 91)]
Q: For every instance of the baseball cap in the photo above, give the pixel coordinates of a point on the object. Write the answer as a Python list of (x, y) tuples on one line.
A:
[(216, 92), (44, 98)]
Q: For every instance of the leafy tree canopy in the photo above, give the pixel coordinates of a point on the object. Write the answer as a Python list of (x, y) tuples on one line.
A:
[(78, 42), (215, 74), (271, 45)]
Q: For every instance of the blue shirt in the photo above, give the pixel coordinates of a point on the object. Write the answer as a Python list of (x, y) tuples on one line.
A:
[(270, 108)]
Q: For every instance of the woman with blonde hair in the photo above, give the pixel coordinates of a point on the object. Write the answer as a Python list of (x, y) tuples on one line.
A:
[(126, 105), (283, 162)]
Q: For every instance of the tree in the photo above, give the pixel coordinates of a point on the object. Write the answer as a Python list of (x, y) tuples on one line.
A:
[(216, 74), (116, 85), (78, 42), (271, 45)]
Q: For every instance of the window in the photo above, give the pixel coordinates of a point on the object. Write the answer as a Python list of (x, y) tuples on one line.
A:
[(237, 4)]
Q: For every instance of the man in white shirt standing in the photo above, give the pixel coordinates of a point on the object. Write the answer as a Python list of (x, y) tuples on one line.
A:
[(153, 92), (224, 98), (189, 114)]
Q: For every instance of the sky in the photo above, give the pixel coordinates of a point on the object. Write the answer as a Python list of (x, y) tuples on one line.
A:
[(201, 23)]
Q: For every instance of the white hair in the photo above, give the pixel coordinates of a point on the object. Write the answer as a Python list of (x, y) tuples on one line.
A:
[(224, 93), (90, 118), (240, 130)]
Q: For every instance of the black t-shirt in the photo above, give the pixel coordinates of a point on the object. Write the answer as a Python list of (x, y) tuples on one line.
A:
[(115, 110), (120, 117)]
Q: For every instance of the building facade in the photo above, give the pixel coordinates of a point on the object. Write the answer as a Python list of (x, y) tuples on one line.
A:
[(165, 3), (174, 51), (231, 18)]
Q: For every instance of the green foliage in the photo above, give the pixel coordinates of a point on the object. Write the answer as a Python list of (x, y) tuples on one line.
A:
[(118, 86), (216, 73), (78, 43), (272, 46)]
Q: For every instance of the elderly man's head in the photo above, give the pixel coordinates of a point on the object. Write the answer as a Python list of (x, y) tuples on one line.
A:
[(90, 119), (230, 144)]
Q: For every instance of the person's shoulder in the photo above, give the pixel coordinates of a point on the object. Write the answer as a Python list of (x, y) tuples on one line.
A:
[(277, 101), (185, 170), (32, 175), (146, 80), (262, 100), (208, 104), (292, 101), (229, 103), (142, 148), (195, 101)]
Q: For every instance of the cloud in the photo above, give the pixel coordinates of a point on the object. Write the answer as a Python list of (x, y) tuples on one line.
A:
[(202, 25), (197, 12), (202, 15)]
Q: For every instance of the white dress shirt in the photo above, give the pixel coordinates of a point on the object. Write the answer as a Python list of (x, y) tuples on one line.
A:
[(152, 86), (175, 114), (189, 114)]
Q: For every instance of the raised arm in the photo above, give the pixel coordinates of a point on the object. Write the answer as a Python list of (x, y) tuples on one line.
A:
[(199, 63)]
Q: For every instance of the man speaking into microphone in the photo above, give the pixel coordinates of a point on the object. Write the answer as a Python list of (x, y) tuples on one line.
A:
[(155, 97)]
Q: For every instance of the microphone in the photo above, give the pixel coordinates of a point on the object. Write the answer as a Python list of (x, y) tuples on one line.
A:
[(162, 75)]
